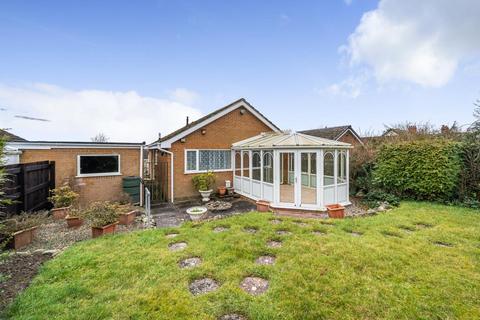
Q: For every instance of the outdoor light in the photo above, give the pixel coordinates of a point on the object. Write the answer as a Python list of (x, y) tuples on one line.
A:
[(204, 131)]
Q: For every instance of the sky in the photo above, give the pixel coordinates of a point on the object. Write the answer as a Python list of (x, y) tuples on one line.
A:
[(134, 69)]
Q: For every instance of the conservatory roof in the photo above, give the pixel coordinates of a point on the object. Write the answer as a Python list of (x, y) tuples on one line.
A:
[(279, 140)]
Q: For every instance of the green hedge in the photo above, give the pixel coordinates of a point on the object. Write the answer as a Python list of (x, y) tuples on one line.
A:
[(423, 170)]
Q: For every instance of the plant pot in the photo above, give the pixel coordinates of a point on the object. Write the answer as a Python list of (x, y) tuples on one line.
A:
[(196, 213), (127, 218), (263, 206), (222, 191), (205, 195), (101, 231), (22, 238), (60, 213), (73, 222), (336, 211)]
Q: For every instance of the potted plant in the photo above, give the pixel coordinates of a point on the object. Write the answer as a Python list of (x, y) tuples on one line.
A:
[(203, 182), (196, 213), (222, 190), (74, 218), (62, 199), (19, 232), (263, 205), (103, 217), (336, 211), (127, 215)]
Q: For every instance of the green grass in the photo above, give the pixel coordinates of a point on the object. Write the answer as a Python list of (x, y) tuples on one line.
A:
[(393, 270)]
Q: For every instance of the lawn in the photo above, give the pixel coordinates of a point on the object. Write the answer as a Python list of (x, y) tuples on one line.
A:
[(420, 261)]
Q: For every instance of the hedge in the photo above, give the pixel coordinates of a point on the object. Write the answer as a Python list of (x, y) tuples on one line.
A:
[(422, 170)]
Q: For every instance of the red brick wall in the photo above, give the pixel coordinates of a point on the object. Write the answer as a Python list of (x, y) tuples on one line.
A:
[(349, 138), (219, 134), (108, 188)]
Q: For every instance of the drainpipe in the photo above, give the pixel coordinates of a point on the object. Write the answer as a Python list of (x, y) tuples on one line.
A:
[(171, 169), (141, 175)]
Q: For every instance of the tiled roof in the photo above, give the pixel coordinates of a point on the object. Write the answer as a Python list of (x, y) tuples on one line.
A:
[(332, 133), (9, 136)]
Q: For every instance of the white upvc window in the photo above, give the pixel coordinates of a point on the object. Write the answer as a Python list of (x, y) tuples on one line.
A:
[(98, 165), (203, 160)]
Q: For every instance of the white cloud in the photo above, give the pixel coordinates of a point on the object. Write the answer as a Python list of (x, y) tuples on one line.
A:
[(184, 96), (80, 115), (417, 41), (352, 87)]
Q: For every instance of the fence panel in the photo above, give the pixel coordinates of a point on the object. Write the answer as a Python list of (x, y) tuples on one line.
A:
[(29, 185)]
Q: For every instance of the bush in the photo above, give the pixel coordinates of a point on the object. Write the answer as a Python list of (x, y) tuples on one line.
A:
[(374, 198), (63, 197), (101, 214), (469, 188), (203, 181), (422, 170)]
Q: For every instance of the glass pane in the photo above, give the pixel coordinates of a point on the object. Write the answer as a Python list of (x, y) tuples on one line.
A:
[(246, 164), (309, 190), (287, 179), (328, 169), (214, 160), (268, 166), (342, 167), (191, 160), (256, 165), (238, 163), (98, 164)]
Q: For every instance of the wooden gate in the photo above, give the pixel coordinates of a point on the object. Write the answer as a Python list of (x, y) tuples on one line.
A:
[(158, 186), (28, 186)]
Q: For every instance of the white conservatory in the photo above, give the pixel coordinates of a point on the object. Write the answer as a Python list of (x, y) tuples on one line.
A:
[(292, 170)]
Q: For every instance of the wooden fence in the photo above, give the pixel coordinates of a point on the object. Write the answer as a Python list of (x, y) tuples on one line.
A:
[(29, 185)]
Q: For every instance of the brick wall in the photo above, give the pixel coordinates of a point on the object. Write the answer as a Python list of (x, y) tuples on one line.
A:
[(349, 138), (220, 134), (108, 188)]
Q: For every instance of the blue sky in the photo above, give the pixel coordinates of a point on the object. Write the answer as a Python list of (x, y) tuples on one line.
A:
[(304, 64)]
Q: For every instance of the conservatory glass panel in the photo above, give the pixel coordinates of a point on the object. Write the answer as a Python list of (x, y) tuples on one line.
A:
[(256, 165), (246, 164), (328, 169), (238, 163), (268, 166)]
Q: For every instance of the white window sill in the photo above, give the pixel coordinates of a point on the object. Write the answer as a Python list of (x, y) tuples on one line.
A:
[(94, 175), (205, 171)]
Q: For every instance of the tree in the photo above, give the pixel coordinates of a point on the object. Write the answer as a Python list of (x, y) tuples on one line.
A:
[(3, 177), (100, 137)]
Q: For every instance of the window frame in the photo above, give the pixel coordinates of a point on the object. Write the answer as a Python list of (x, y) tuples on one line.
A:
[(102, 174), (197, 159)]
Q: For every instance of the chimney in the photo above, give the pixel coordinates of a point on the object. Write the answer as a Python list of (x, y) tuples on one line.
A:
[(159, 136), (187, 121), (412, 129), (445, 129)]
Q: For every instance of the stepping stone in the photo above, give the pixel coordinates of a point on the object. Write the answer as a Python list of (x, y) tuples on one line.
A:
[(190, 263), (232, 316), (424, 225), (202, 286), (274, 244), (171, 235), (265, 260), (254, 285), (391, 234), (283, 232), (318, 233), (220, 229), (250, 230), (407, 229), (443, 244), (276, 221), (177, 246), (301, 224), (355, 234)]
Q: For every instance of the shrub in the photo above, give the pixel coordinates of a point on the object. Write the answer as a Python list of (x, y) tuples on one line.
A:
[(101, 214), (423, 170), (374, 198), (203, 181), (19, 222), (63, 197), (469, 188)]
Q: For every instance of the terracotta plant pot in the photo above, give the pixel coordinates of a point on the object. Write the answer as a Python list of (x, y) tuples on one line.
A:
[(127, 218), (222, 191), (101, 231), (22, 238), (336, 211), (73, 222), (60, 213), (263, 206)]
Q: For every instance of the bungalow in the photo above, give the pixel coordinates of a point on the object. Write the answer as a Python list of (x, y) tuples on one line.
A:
[(243, 147)]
